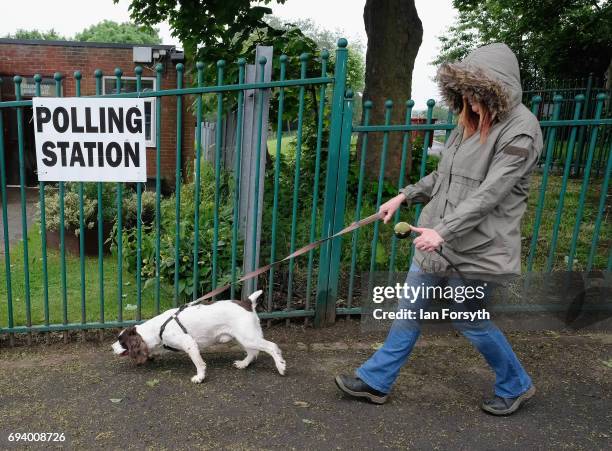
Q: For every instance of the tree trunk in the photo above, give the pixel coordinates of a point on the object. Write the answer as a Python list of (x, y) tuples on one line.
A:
[(394, 34)]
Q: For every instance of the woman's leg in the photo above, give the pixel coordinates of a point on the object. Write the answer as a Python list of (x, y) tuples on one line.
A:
[(511, 379), (381, 370)]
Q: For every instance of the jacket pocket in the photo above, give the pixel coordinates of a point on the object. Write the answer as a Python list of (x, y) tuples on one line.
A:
[(477, 239), (457, 192)]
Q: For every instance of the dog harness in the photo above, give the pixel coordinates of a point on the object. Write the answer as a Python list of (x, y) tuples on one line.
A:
[(174, 317)]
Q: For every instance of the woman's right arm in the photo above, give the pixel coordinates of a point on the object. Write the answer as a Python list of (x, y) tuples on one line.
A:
[(421, 190)]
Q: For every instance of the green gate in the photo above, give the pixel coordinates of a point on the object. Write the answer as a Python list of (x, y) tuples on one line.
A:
[(191, 242)]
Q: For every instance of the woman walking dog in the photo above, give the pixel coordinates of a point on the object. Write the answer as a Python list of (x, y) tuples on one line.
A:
[(475, 201)]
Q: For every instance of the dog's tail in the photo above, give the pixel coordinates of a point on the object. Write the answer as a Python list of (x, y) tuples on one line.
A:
[(253, 298)]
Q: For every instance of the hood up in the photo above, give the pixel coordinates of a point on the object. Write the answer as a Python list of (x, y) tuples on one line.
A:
[(489, 75)]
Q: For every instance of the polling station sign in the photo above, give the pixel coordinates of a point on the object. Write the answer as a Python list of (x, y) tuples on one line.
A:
[(90, 139)]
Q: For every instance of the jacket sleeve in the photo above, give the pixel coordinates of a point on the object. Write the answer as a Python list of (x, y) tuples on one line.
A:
[(509, 165), (421, 190)]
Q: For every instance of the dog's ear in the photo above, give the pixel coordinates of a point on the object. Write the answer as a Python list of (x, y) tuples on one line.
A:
[(137, 348), (130, 331)]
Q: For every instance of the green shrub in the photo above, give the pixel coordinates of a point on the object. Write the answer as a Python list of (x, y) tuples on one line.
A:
[(186, 237), (90, 206)]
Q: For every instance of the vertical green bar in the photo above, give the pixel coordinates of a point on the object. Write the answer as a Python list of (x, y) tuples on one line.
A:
[(138, 72), (158, 70), (583, 130), (400, 183), (381, 181), (62, 194), (237, 169), (325, 310), (296, 177), (262, 64), (317, 174), (218, 145), (118, 74), (540, 208), (7, 254), (98, 75), (430, 104), (367, 106), (600, 212), (177, 178), (196, 226), (585, 181), (277, 160), (601, 149), (343, 166), (449, 120), (77, 78), (43, 228), (566, 173), (24, 222)]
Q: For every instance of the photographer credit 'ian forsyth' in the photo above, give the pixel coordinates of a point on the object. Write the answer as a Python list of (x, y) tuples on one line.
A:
[(422, 314)]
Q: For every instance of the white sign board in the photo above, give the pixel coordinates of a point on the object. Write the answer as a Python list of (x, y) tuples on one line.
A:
[(90, 139)]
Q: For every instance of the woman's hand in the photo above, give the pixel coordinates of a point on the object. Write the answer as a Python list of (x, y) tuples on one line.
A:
[(391, 206), (428, 240)]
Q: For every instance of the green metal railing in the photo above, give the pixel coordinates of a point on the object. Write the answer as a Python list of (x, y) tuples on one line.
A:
[(59, 315), (589, 194), (47, 290), (589, 89)]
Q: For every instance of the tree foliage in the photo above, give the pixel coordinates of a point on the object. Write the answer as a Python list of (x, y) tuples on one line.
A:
[(210, 29), (327, 39), (105, 31), (109, 31), (49, 35), (213, 30), (553, 39)]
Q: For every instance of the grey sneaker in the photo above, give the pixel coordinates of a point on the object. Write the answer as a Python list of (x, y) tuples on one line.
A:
[(507, 406), (357, 388)]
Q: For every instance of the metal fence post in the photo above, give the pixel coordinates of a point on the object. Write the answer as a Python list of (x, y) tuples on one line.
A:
[(545, 172), (256, 106), (583, 130), (343, 169), (585, 181), (326, 287)]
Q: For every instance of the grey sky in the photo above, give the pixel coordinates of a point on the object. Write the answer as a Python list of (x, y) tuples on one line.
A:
[(70, 16)]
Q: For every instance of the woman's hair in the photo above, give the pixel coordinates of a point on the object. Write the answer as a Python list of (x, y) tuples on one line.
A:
[(471, 120)]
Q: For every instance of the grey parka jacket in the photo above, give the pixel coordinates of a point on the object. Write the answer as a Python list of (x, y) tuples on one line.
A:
[(478, 194)]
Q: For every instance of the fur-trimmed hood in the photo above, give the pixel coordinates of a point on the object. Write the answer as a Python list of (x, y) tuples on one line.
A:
[(489, 75)]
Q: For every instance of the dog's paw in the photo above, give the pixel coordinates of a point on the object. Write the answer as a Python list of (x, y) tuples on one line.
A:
[(281, 367), (241, 364), (197, 379)]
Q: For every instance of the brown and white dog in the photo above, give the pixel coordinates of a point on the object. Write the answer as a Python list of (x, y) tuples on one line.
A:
[(219, 322)]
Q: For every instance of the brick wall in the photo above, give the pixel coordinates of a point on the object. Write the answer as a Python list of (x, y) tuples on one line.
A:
[(28, 59)]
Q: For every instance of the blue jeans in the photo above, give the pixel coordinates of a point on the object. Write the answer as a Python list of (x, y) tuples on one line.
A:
[(381, 370)]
